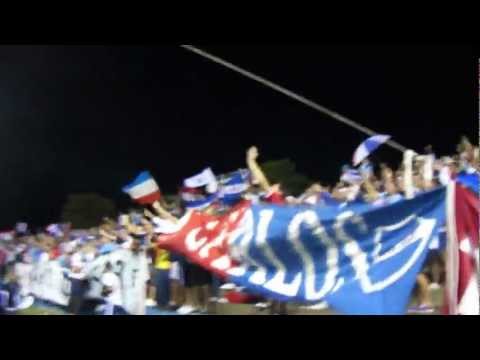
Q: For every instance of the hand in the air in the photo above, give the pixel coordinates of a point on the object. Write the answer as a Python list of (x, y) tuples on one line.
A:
[(252, 153)]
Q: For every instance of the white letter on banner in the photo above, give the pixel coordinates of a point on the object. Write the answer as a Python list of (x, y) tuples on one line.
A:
[(277, 284), (421, 234), (311, 220), (260, 276), (217, 242), (239, 252), (359, 258), (222, 263), (351, 247), (191, 241), (385, 229)]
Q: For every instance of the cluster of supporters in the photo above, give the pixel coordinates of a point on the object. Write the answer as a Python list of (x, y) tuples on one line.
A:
[(139, 274)]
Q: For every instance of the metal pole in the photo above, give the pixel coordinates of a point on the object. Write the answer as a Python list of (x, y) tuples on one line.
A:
[(291, 94)]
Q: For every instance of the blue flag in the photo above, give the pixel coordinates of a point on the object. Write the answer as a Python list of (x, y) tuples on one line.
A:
[(359, 259), (233, 186)]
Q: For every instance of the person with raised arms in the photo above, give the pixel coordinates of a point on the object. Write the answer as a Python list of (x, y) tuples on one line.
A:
[(273, 193)]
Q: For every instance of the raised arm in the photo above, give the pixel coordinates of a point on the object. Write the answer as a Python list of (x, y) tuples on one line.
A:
[(164, 214), (256, 171)]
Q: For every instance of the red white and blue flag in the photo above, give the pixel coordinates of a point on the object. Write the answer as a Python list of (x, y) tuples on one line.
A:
[(144, 189), (462, 290)]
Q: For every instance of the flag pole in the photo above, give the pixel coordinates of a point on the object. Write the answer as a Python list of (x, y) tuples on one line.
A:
[(291, 94)]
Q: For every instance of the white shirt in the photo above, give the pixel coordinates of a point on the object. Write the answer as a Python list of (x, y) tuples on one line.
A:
[(109, 279), (135, 272), (23, 272), (134, 277)]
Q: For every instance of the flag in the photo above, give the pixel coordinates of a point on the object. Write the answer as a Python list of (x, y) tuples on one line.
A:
[(205, 178), (144, 190), (368, 147), (462, 292), (202, 238), (195, 199), (470, 180), (233, 186), (54, 230), (359, 259)]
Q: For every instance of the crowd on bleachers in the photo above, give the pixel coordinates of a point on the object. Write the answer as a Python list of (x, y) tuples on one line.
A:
[(139, 274)]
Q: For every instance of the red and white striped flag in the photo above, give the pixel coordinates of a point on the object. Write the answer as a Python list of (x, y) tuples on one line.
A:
[(462, 291)]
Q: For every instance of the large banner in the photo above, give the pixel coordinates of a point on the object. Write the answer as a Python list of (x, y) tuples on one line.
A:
[(360, 259)]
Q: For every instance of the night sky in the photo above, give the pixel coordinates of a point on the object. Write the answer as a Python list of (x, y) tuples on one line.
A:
[(80, 119)]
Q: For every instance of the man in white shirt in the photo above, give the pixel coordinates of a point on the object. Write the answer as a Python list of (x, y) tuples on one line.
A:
[(134, 277)]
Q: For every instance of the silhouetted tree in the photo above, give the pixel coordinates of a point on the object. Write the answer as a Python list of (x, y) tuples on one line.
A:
[(284, 172), (87, 210)]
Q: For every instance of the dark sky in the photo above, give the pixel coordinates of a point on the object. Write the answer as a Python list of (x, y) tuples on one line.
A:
[(88, 118)]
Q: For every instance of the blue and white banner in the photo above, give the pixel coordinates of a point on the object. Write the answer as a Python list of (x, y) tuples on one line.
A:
[(359, 259)]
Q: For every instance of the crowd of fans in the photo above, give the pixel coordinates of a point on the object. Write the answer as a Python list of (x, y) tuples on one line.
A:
[(144, 275)]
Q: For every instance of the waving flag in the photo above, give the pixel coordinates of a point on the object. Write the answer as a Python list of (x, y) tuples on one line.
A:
[(233, 186), (144, 190), (470, 180), (368, 147), (54, 230), (462, 292), (196, 200), (205, 178), (359, 259)]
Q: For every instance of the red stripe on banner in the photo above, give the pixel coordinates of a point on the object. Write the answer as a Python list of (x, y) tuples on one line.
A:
[(204, 239), (467, 209), (463, 226), (149, 199)]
